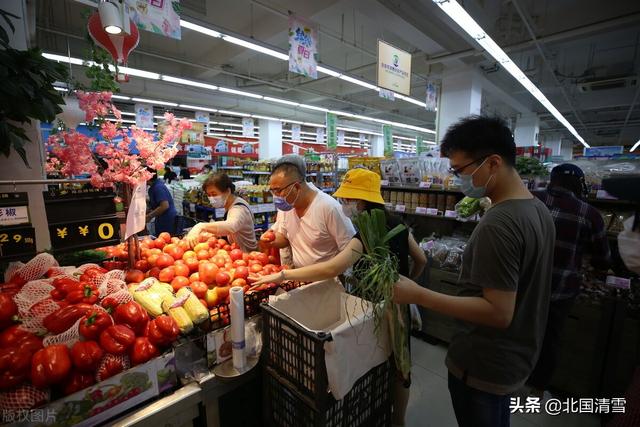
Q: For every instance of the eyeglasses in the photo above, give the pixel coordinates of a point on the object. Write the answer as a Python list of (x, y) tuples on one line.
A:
[(277, 191), (456, 172)]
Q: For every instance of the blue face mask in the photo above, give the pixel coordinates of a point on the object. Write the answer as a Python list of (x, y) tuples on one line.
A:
[(281, 202), (470, 190)]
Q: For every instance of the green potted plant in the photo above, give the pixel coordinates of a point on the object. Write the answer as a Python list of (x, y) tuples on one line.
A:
[(531, 170), (28, 92)]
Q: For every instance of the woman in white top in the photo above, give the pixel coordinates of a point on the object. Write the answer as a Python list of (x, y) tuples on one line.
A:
[(237, 224)]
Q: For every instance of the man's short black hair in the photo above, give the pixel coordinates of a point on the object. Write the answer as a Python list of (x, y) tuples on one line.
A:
[(479, 136)]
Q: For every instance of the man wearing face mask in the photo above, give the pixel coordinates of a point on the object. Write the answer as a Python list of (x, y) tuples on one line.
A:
[(505, 281), (308, 220), (237, 224)]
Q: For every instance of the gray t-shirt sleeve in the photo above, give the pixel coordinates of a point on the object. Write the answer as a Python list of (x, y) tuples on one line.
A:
[(495, 258)]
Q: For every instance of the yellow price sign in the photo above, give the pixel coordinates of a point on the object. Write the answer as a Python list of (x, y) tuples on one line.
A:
[(109, 231)]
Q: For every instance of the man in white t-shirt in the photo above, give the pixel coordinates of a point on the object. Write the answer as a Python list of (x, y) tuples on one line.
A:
[(308, 220)]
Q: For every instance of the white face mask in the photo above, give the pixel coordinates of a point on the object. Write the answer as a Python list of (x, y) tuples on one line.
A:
[(350, 209), (217, 201), (629, 246)]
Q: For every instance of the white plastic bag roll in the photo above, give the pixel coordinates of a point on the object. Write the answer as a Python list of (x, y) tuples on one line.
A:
[(237, 326)]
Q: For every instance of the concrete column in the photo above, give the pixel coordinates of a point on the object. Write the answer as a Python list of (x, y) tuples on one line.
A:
[(553, 141), (527, 130), (566, 149), (13, 168), (461, 96), (270, 139), (377, 146)]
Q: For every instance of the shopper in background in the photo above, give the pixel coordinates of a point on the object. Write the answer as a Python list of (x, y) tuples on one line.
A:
[(161, 204), (206, 169), (308, 220), (169, 175), (579, 229), (237, 224), (505, 281), (184, 173), (360, 191)]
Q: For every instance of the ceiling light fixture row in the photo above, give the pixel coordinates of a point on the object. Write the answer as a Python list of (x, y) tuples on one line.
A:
[(460, 16), (186, 82)]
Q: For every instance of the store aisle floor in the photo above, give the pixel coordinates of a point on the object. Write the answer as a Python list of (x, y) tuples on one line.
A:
[(430, 404)]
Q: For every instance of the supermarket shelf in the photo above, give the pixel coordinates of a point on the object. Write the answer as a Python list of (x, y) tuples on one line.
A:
[(612, 202), (231, 167), (441, 217), (312, 174), (417, 189), (236, 176), (256, 173), (239, 155)]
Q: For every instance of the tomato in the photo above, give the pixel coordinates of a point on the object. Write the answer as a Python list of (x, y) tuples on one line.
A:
[(159, 243), (200, 247), (179, 262), (268, 236), (228, 265), (234, 246), (272, 259), (253, 254), (134, 276), (222, 292), (175, 240), (199, 289), (222, 278), (242, 272), (245, 258), (181, 270), (227, 247), (267, 270), (165, 236), (255, 268), (154, 272), (236, 254), (222, 242), (212, 242), (219, 261), (178, 283), (164, 260), (263, 258), (152, 259), (173, 250), (239, 263), (211, 297), (239, 282), (184, 245), (192, 263), (203, 254), (207, 272), (142, 265), (167, 274), (188, 254)]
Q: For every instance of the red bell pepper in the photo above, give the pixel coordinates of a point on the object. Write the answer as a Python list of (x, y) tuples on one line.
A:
[(8, 309), (110, 304), (117, 339), (50, 365), (133, 315), (162, 330), (91, 273), (15, 361), (94, 322), (63, 285), (61, 320), (142, 351), (77, 381), (12, 336), (83, 292), (86, 355), (111, 365)]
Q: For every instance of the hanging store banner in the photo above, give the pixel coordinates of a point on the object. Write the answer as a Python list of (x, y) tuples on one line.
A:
[(431, 96), (340, 137), (603, 151), (320, 135), (419, 144), (202, 117), (295, 132), (195, 135), (136, 219), (157, 16), (387, 94), (394, 68), (362, 139), (144, 115), (387, 135), (303, 47), (332, 131), (247, 127)]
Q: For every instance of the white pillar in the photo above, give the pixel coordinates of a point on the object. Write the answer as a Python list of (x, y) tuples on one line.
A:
[(377, 146), (553, 141), (13, 168), (270, 139), (527, 130), (566, 149), (461, 96)]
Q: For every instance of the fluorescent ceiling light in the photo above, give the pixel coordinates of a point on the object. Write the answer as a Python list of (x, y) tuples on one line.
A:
[(61, 89), (65, 59), (411, 100), (188, 82), (125, 113), (126, 98), (200, 29), (359, 82), (230, 124), (318, 125), (216, 129), (313, 107), (196, 108), (234, 113), (281, 101), (328, 71), (153, 101), (468, 24), (255, 116), (256, 47), (240, 92), (136, 72), (291, 121), (636, 145)]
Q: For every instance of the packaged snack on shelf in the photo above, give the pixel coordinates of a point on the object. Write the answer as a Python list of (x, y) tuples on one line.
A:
[(410, 170), (371, 163), (390, 171)]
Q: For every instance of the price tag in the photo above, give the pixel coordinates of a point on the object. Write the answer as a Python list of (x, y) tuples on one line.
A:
[(618, 282), (450, 214), (425, 184), (432, 211), (401, 208), (421, 210), (384, 182)]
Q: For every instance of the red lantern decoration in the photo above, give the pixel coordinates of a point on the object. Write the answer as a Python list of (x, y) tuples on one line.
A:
[(119, 46)]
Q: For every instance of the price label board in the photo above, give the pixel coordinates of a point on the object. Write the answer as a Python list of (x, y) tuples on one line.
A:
[(401, 208), (85, 234), (17, 242)]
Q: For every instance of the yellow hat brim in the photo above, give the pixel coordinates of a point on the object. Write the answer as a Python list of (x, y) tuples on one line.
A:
[(348, 192)]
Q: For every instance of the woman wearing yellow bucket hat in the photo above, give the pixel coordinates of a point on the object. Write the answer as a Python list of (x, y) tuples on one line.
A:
[(360, 191)]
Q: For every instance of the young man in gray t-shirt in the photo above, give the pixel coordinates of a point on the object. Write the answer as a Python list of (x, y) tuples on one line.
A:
[(505, 282)]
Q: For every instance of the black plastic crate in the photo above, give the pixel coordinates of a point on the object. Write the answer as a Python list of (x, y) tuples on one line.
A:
[(367, 404)]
